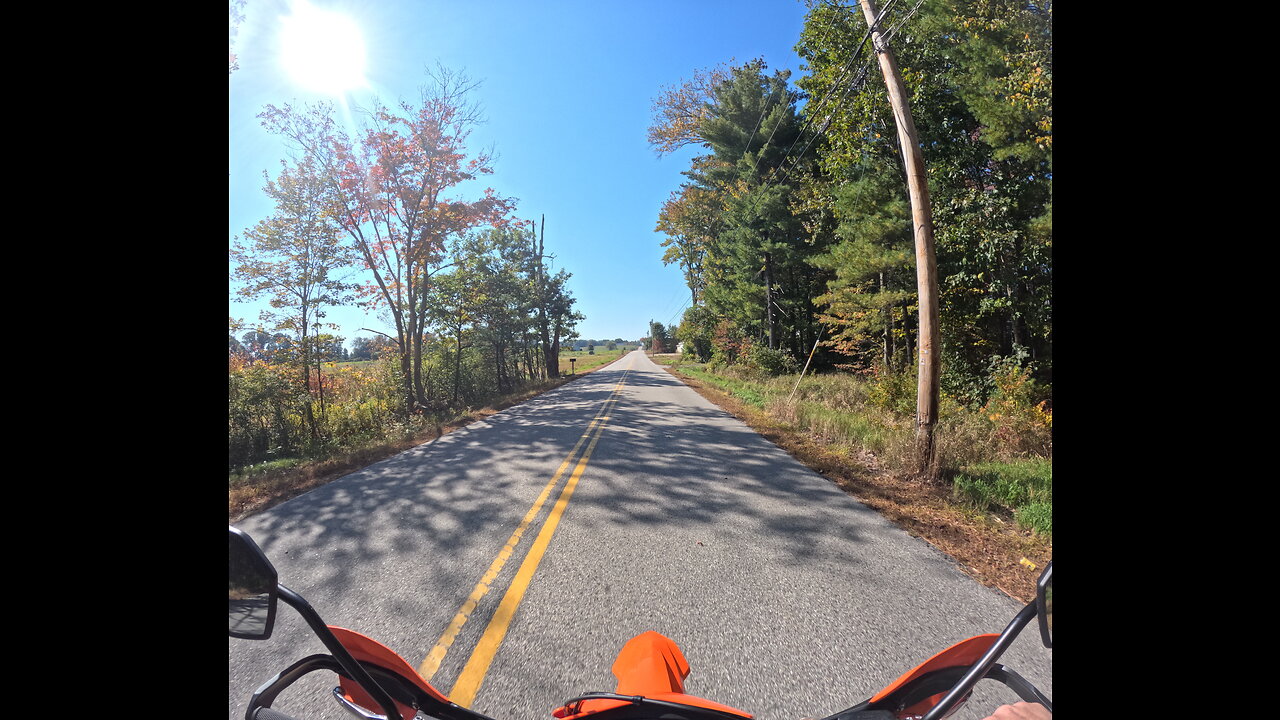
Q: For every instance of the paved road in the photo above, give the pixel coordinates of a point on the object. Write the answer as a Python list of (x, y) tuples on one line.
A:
[(788, 597)]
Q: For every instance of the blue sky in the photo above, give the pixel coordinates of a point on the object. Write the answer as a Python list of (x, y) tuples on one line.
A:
[(567, 90)]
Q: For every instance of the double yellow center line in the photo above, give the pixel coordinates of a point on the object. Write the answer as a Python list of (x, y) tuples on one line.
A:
[(468, 683)]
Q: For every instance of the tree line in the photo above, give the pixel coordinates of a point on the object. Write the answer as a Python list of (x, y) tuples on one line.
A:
[(793, 228)]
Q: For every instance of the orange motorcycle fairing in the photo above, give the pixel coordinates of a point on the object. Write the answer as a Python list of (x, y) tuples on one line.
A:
[(366, 649), (962, 654), (649, 665)]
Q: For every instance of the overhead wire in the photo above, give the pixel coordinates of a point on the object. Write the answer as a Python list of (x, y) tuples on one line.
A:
[(835, 84), (811, 110), (890, 32)]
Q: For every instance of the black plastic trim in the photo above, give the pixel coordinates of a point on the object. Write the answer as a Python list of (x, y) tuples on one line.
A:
[(1019, 685), (641, 707), (265, 695)]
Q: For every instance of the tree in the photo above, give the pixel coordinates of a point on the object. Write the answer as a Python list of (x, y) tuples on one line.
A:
[(696, 329), (390, 189), (873, 272), (292, 258), (690, 219), (547, 302), (453, 313), (680, 110), (659, 338), (370, 348), (754, 266), (499, 299)]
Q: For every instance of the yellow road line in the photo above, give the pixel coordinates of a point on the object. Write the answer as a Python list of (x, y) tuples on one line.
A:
[(432, 662), (468, 684)]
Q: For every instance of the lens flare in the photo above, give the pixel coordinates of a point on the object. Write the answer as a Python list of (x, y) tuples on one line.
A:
[(323, 51)]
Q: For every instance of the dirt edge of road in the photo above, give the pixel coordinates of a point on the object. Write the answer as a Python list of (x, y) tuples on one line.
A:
[(990, 549)]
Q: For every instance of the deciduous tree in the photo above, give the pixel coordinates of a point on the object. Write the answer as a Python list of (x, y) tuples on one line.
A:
[(294, 259), (391, 188)]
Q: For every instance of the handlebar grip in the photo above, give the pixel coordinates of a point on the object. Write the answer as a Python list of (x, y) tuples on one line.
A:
[(266, 713)]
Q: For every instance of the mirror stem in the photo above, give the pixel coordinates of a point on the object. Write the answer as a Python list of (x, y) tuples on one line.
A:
[(348, 663)]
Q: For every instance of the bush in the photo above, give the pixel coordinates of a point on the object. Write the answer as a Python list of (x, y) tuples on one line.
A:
[(696, 330), (892, 391), (728, 346), (772, 362), (1022, 420)]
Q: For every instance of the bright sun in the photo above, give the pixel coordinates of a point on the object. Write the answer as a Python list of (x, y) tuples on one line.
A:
[(322, 51)]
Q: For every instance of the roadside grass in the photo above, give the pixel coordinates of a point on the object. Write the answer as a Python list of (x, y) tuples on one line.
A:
[(1021, 488), (259, 487), (737, 387), (992, 511), (585, 362)]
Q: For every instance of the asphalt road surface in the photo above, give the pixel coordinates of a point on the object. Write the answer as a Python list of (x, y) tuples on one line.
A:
[(511, 560)]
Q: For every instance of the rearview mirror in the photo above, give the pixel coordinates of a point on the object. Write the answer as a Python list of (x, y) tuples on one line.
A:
[(251, 588), (1044, 605)]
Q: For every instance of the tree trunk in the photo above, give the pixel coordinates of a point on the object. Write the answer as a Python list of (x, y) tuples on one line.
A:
[(888, 331), (910, 353), (415, 335), (406, 377), (457, 366), (768, 298), (320, 388)]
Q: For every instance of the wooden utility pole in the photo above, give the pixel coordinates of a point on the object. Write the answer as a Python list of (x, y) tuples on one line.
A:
[(926, 260), (550, 346)]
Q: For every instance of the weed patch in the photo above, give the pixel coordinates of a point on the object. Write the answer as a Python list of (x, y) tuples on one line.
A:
[(1022, 489)]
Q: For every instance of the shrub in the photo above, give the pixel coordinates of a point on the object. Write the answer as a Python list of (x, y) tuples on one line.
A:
[(892, 391), (1022, 420), (772, 362), (728, 344)]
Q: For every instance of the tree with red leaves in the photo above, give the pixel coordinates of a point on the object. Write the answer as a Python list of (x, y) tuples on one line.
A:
[(390, 192)]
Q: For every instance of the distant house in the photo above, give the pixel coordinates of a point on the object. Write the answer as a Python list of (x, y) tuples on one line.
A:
[(680, 347)]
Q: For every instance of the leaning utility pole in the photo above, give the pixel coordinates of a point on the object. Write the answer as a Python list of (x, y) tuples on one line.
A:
[(550, 346), (926, 260)]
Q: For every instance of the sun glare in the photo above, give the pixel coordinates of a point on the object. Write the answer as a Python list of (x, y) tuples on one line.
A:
[(323, 51)]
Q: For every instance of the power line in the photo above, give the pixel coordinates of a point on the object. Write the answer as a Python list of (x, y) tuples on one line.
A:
[(902, 20), (837, 83), (677, 312), (812, 109)]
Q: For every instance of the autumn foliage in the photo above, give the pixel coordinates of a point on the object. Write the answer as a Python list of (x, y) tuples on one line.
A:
[(392, 192), (475, 309)]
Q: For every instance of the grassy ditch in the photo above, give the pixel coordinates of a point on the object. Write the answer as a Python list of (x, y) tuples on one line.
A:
[(258, 487), (992, 510)]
